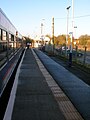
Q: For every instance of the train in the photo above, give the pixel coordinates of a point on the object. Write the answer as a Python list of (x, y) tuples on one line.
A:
[(10, 38), (11, 52)]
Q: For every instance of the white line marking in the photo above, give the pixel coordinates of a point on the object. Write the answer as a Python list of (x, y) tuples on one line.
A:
[(9, 109)]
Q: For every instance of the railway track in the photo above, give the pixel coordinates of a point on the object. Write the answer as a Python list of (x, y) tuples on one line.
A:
[(7, 75)]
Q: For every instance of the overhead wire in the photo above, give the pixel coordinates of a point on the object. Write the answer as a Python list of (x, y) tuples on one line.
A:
[(75, 17)]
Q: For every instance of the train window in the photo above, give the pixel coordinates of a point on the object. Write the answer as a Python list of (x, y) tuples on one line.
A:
[(0, 34), (12, 37), (9, 37), (4, 35)]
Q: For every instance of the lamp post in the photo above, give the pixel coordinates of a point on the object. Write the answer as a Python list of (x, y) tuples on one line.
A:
[(41, 28), (67, 27), (70, 54), (74, 36), (42, 34)]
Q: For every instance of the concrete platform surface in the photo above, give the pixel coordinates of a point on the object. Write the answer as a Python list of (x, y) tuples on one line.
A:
[(36, 95), (77, 90)]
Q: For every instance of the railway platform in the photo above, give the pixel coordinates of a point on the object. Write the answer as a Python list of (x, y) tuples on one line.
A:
[(35, 94)]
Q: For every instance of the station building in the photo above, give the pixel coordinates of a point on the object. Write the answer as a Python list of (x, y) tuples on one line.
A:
[(38, 41)]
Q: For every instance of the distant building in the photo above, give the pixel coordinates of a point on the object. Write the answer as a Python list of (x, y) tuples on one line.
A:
[(38, 41)]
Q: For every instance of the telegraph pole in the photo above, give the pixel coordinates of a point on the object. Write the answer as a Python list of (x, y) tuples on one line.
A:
[(70, 55), (42, 32), (53, 33)]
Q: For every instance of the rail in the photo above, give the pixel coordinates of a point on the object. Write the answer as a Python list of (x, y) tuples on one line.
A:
[(7, 80)]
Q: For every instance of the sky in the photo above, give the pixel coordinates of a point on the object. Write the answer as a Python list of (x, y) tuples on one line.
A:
[(27, 16)]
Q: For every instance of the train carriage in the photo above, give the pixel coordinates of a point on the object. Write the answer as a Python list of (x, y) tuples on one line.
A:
[(9, 36)]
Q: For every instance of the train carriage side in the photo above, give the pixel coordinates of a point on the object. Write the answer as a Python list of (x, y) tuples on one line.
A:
[(9, 37)]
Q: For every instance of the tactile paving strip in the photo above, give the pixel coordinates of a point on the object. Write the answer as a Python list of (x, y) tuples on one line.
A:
[(65, 105)]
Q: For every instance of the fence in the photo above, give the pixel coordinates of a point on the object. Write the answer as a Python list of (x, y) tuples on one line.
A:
[(81, 56)]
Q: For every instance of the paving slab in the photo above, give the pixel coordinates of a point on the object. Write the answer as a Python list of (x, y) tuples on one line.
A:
[(77, 90), (34, 99)]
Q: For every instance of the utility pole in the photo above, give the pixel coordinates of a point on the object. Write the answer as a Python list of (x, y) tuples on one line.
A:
[(42, 32), (53, 33), (41, 27), (70, 54), (67, 27)]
